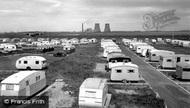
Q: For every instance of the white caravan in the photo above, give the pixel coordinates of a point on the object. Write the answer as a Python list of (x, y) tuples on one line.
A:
[(10, 47), (93, 93), (117, 59), (170, 61), (105, 53), (31, 62), (140, 47), (23, 83), (154, 55), (125, 72)]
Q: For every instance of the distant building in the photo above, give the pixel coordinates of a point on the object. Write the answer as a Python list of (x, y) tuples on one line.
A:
[(89, 30), (107, 28)]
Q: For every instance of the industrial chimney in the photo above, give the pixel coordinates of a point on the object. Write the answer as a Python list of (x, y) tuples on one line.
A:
[(107, 28), (97, 27), (82, 27)]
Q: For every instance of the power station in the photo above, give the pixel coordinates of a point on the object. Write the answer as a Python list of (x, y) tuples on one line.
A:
[(97, 28)]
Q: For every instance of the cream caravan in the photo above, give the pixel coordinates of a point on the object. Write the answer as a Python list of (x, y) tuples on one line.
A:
[(183, 70), (93, 93), (154, 55), (170, 61), (23, 83), (125, 72)]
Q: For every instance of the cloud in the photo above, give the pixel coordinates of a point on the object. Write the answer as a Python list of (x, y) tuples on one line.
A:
[(69, 14)]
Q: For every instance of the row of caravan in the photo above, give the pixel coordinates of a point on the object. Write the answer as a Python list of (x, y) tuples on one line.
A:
[(140, 48), (42, 43), (165, 59), (45, 41), (120, 65)]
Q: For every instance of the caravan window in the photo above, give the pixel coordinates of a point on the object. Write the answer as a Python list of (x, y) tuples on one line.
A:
[(91, 94), (118, 71), (130, 71), (9, 86), (19, 62), (37, 78), (169, 60), (186, 69), (186, 60), (178, 59), (113, 61), (25, 62), (27, 83), (37, 62), (153, 54)]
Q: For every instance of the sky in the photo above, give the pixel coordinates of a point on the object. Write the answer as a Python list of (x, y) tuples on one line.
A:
[(68, 15)]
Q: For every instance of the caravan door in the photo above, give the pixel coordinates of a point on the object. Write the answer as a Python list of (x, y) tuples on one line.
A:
[(27, 88)]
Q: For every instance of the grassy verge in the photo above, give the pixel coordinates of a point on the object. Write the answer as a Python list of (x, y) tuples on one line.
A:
[(144, 97)]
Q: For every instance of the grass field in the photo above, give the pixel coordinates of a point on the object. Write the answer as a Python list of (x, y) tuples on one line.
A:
[(170, 47)]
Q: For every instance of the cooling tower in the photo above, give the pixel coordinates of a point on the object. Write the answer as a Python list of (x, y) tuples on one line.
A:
[(97, 27), (107, 28)]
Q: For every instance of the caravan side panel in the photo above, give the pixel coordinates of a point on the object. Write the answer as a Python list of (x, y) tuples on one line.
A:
[(34, 88), (124, 73), (22, 92)]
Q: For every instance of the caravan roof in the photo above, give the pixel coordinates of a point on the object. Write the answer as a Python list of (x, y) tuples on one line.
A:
[(176, 55), (18, 77), (120, 58), (125, 65), (33, 57), (112, 54), (94, 83), (184, 64), (152, 51)]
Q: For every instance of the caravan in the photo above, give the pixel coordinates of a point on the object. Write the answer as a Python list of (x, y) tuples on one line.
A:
[(140, 47), (23, 83), (183, 70), (10, 47), (31, 62), (144, 50), (117, 59), (105, 53), (154, 55), (93, 93), (169, 61), (125, 72)]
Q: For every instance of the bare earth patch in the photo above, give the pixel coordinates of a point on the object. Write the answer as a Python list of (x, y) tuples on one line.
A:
[(100, 67), (59, 98)]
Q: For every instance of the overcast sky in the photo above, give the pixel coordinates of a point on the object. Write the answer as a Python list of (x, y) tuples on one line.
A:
[(68, 15)]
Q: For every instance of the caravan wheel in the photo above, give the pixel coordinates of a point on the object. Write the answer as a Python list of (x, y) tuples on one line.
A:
[(28, 68), (160, 67)]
